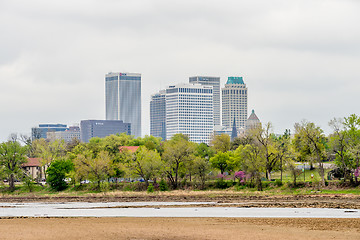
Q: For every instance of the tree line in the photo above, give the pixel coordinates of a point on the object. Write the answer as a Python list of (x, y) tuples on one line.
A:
[(254, 155)]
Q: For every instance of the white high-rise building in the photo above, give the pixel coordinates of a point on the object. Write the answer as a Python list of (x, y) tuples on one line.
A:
[(123, 99), (215, 83), (188, 110), (234, 103)]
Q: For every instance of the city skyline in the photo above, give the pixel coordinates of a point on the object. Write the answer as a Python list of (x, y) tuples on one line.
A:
[(299, 58)]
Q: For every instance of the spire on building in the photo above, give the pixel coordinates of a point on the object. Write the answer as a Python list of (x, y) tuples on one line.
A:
[(234, 131)]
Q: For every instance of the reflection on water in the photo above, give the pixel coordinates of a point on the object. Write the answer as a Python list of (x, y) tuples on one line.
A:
[(153, 209)]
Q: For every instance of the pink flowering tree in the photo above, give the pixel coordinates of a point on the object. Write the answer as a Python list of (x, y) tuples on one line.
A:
[(241, 176), (357, 172)]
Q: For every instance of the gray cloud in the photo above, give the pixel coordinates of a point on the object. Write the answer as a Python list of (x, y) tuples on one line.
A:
[(298, 58)]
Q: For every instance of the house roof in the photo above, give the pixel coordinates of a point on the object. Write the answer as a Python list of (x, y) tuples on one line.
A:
[(32, 162), (129, 148)]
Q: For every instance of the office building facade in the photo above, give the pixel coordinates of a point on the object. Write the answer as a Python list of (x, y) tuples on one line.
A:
[(42, 130), (189, 110), (102, 128), (123, 99), (72, 133), (234, 103), (215, 83), (158, 115)]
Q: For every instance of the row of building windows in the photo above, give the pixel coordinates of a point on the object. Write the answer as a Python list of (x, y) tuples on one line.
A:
[(130, 78), (111, 78), (188, 90), (234, 91)]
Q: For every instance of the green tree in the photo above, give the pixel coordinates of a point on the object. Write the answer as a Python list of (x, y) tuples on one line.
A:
[(339, 144), (147, 164), (283, 150), (48, 152), (295, 172), (112, 143), (57, 172), (150, 142), (265, 138), (12, 155), (352, 124), (201, 170), (220, 161), (177, 151), (96, 168), (310, 142), (221, 143), (204, 151), (241, 140), (253, 162)]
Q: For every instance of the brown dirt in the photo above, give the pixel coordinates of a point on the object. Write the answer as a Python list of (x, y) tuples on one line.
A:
[(221, 198), (178, 228)]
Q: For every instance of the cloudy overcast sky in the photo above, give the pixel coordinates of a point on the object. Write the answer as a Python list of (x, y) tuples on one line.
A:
[(300, 59)]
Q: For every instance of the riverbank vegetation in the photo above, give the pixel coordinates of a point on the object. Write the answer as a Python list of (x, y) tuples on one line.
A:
[(257, 160)]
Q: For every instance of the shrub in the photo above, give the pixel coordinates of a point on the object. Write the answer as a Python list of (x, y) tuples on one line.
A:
[(57, 173), (150, 188), (241, 176), (163, 185), (265, 184), (239, 187), (220, 183), (278, 182)]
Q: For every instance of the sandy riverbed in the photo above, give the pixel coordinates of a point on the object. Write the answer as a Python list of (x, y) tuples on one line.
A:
[(178, 228)]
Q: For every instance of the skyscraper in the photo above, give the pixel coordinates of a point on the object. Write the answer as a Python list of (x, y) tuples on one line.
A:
[(189, 110), (234, 103), (215, 83), (158, 115), (123, 99)]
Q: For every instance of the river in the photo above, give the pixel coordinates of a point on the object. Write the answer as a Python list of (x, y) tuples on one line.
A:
[(163, 209)]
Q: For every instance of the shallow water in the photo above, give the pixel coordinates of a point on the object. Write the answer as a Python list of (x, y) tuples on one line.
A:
[(153, 209)]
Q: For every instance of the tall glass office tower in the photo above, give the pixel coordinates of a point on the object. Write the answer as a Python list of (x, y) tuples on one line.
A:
[(158, 115), (215, 83), (123, 99)]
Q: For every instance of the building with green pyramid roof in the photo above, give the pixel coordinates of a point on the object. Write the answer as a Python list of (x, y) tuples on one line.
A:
[(234, 103)]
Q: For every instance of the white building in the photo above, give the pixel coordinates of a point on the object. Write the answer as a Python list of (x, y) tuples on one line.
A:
[(215, 83), (234, 103), (123, 99), (189, 110), (69, 135)]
